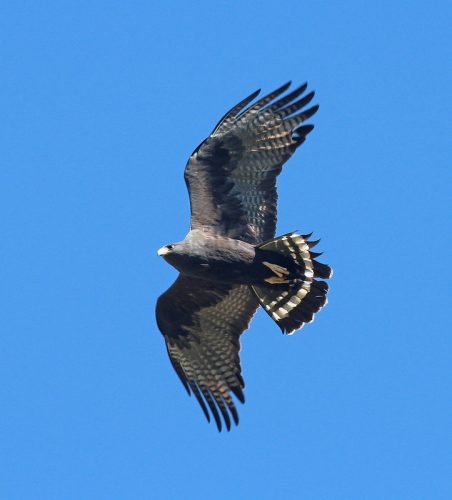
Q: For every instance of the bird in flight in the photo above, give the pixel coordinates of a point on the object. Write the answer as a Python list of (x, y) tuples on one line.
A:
[(230, 261)]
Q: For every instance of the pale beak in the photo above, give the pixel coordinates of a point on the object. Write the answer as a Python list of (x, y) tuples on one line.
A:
[(162, 251)]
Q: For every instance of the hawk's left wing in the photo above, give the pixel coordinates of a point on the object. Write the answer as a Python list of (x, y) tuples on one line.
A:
[(231, 176), (202, 323)]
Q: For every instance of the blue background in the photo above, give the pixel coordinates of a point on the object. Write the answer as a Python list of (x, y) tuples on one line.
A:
[(101, 104)]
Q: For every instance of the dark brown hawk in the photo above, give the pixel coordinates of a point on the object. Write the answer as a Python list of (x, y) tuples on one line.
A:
[(230, 262)]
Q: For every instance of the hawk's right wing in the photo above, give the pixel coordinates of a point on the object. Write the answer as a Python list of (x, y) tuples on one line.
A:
[(202, 324)]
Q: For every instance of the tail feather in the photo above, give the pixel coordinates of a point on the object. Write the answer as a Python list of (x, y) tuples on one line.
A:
[(294, 303), (321, 270)]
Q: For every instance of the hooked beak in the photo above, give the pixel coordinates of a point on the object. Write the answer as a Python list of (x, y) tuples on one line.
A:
[(162, 251)]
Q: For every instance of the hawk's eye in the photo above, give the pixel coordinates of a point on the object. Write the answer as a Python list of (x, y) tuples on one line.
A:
[(169, 247)]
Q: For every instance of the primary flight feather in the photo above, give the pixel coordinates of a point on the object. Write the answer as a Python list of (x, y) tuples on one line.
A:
[(230, 262)]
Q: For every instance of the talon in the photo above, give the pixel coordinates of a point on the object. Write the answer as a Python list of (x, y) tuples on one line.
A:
[(278, 270), (276, 280)]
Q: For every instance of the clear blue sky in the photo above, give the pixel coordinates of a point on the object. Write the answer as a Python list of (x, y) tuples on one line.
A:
[(101, 104)]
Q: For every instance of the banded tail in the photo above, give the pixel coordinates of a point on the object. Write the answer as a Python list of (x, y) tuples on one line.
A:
[(293, 296)]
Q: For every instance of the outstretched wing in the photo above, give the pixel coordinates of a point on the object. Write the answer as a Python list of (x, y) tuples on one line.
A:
[(202, 324), (231, 176)]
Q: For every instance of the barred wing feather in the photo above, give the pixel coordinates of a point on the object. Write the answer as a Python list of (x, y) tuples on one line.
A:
[(231, 176), (202, 325)]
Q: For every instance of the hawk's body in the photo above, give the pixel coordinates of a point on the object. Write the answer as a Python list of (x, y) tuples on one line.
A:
[(229, 263), (213, 257), (221, 259)]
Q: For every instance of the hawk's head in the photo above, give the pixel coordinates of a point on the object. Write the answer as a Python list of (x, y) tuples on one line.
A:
[(174, 253), (164, 251), (184, 256)]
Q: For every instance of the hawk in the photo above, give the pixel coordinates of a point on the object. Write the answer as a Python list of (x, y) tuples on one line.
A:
[(230, 262)]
